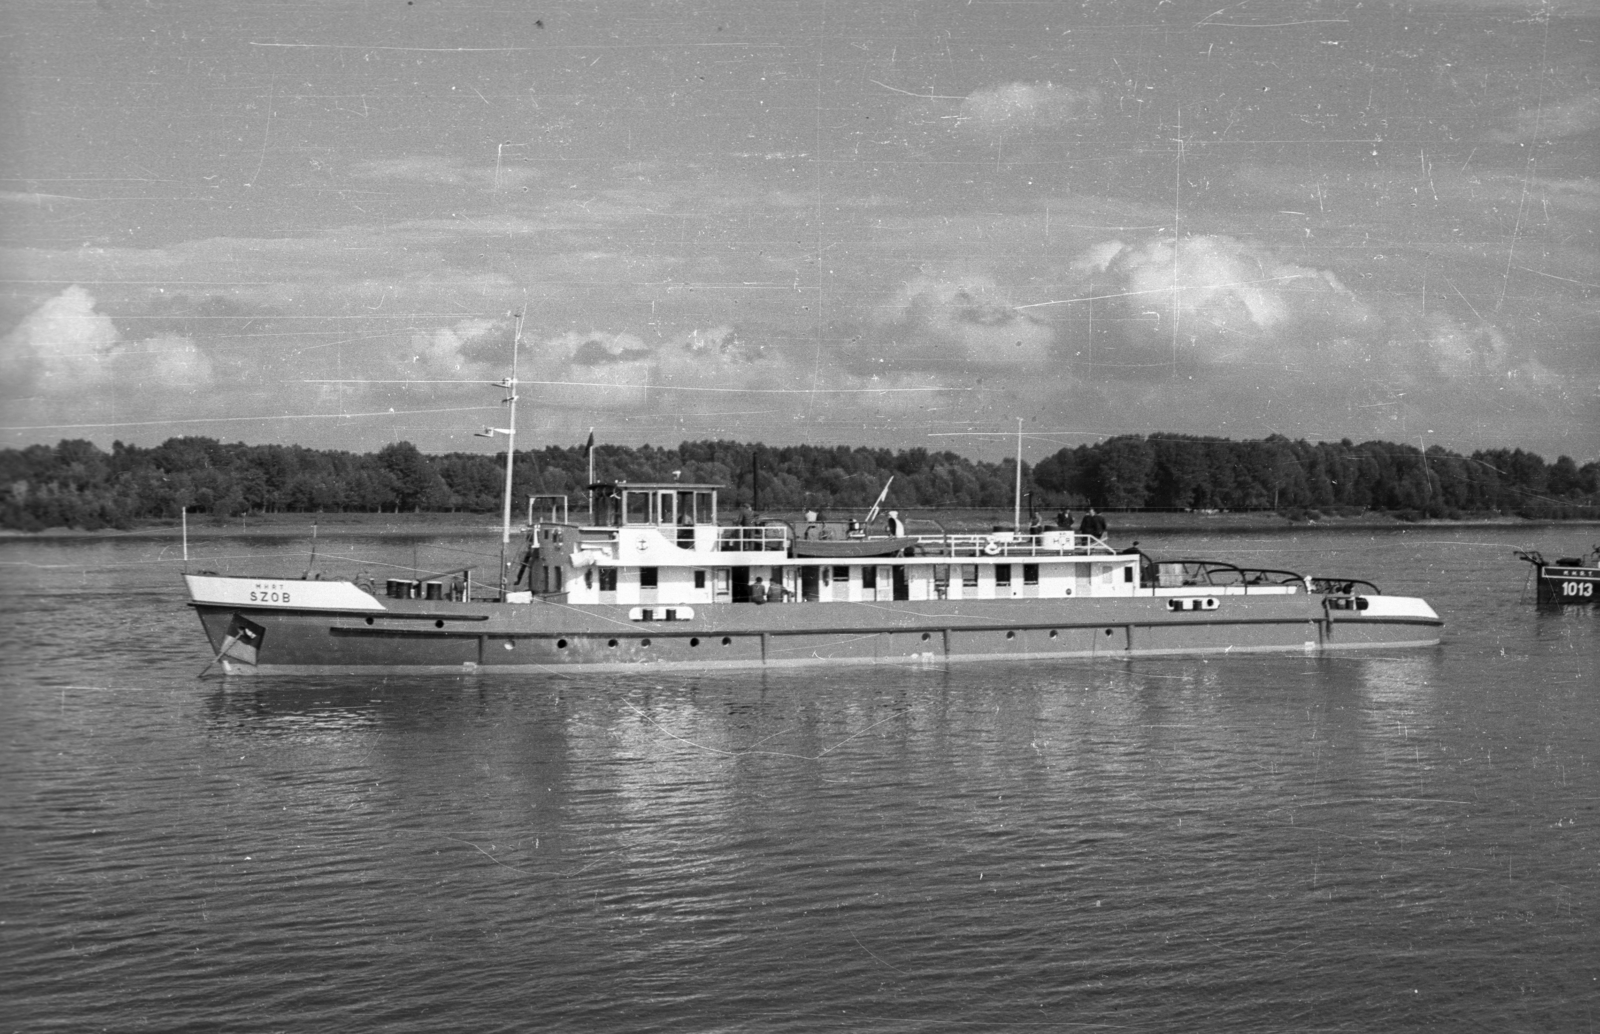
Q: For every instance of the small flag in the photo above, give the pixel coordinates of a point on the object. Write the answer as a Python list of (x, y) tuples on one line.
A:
[(590, 446)]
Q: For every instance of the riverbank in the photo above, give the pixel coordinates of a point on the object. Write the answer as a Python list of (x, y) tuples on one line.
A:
[(920, 522)]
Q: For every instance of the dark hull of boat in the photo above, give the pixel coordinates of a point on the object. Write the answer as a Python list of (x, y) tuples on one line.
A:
[(444, 636), (1568, 586)]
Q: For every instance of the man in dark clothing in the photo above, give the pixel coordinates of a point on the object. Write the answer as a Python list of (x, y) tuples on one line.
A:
[(1093, 524)]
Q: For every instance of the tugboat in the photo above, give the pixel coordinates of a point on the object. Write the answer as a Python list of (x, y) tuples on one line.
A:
[(1567, 580)]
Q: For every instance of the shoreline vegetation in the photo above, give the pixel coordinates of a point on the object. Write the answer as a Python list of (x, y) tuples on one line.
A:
[(1124, 524), (1153, 482)]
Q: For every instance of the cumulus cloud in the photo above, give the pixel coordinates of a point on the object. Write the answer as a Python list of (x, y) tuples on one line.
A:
[(967, 320), (64, 344), (66, 348), (1248, 317), (446, 351), (1024, 107), (600, 370), (1221, 291)]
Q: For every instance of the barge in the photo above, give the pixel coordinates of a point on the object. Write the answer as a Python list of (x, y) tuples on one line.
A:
[(1572, 580)]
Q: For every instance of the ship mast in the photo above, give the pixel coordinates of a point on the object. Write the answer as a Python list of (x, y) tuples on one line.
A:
[(1016, 516), (510, 431)]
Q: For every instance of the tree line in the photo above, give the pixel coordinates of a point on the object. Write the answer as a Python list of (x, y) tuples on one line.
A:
[(75, 484)]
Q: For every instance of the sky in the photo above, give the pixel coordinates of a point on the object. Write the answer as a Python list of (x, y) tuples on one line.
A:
[(897, 224)]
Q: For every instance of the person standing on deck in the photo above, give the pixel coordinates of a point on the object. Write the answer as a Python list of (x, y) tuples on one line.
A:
[(758, 591), (1093, 524)]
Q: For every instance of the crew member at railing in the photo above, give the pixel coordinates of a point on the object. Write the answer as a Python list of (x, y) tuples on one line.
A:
[(1093, 524)]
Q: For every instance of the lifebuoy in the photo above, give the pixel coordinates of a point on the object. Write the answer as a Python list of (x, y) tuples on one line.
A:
[(991, 548)]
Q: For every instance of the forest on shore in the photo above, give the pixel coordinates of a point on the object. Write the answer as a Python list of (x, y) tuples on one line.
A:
[(75, 484)]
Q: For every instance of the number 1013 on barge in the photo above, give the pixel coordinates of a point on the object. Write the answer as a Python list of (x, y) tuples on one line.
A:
[(653, 579)]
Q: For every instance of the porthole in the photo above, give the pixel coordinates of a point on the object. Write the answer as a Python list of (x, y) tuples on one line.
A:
[(561, 644), (508, 644), (611, 643), (926, 637), (369, 621), (644, 642), (694, 642), (439, 623), (1110, 631), (1011, 635), (726, 641), (1053, 633)]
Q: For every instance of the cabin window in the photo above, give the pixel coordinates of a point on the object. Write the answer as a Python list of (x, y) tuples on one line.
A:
[(1127, 573), (561, 579), (705, 509), (699, 579), (869, 577), (636, 507), (649, 577), (588, 578), (1002, 574), (841, 574), (969, 576), (608, 579), (666, 512), (1030, 574)]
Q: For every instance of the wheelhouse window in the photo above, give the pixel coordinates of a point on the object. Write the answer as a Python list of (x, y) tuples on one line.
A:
[(636, 507)]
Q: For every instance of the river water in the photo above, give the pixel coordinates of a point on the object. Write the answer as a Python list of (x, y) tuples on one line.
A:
[(1406, 840)]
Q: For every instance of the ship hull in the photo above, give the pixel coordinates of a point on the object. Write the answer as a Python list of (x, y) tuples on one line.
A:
[(446, 636), (1569, 585)]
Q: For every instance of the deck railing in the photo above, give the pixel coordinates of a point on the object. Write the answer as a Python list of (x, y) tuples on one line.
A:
[(762, 538), (1010, 544)]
